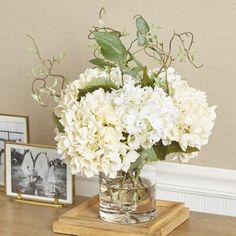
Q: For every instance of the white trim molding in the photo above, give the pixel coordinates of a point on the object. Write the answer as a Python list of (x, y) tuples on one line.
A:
[(203, 189)]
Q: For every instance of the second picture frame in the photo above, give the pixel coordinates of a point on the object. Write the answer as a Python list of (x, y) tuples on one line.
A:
[(37, 173), (13, 128)]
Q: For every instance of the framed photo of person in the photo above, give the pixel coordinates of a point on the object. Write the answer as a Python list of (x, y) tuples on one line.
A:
[(12, 128), (37, 173)]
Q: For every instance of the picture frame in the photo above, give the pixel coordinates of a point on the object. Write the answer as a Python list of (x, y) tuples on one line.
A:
[(12, 128), (36, 173)]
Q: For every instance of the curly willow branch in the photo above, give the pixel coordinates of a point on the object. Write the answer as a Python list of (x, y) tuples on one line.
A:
[(49, 68), (168, 58)]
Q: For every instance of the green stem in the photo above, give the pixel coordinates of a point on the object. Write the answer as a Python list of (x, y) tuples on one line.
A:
[(141, 182), (137, 62), (110, 193), (136, 181), (124, 174)]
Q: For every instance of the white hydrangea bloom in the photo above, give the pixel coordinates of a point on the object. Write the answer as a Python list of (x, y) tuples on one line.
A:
[(147, 114), (70, 94), (196, 119), (104, 131), (93, 136)]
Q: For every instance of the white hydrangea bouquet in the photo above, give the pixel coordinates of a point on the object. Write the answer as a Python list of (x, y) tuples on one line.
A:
[(109, 121), (120, 115)]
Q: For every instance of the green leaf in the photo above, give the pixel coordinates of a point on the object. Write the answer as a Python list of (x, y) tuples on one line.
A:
[(95, 84), (191, 149), (146, 80), (56, 98), (160, 150), (35, 71), (142, 25), (138, 63), (141, 40), (44, 90), (175, 147), (38, 99), (58, 123), (140, 162), (31, 50), (55, 83), (151, 155), (60, 57), (111, 46), (146, 155), (133, 72), (38, 71), (157, 152), (162, 83), (182, 54), (100, 62)]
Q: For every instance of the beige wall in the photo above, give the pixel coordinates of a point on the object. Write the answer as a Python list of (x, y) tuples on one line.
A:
[(62, 25)]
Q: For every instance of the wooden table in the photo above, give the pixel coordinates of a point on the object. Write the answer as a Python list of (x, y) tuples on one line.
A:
[(19, 219)]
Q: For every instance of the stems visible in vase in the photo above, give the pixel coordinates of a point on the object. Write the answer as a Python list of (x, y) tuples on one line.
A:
[(127, 185)]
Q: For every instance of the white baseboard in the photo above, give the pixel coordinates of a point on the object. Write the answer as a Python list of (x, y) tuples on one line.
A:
[(203, 189)]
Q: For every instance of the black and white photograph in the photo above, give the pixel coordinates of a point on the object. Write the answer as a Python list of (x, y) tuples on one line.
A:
[(14, 129), (37, 173)]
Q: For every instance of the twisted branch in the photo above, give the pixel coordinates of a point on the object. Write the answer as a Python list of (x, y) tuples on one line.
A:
[(48, 65)]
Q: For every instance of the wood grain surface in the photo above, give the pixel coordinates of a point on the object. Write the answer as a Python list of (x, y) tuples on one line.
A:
[(18, 219), (83, 220)]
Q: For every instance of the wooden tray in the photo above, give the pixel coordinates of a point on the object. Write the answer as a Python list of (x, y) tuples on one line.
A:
[(83, 220)]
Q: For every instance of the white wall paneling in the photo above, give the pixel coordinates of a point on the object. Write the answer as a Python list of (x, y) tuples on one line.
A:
[(203, 189)]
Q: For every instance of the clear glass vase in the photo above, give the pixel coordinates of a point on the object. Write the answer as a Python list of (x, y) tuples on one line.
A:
[(127, 199)]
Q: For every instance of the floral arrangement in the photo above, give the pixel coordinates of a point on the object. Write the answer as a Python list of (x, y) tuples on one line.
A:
[(121, 115)]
